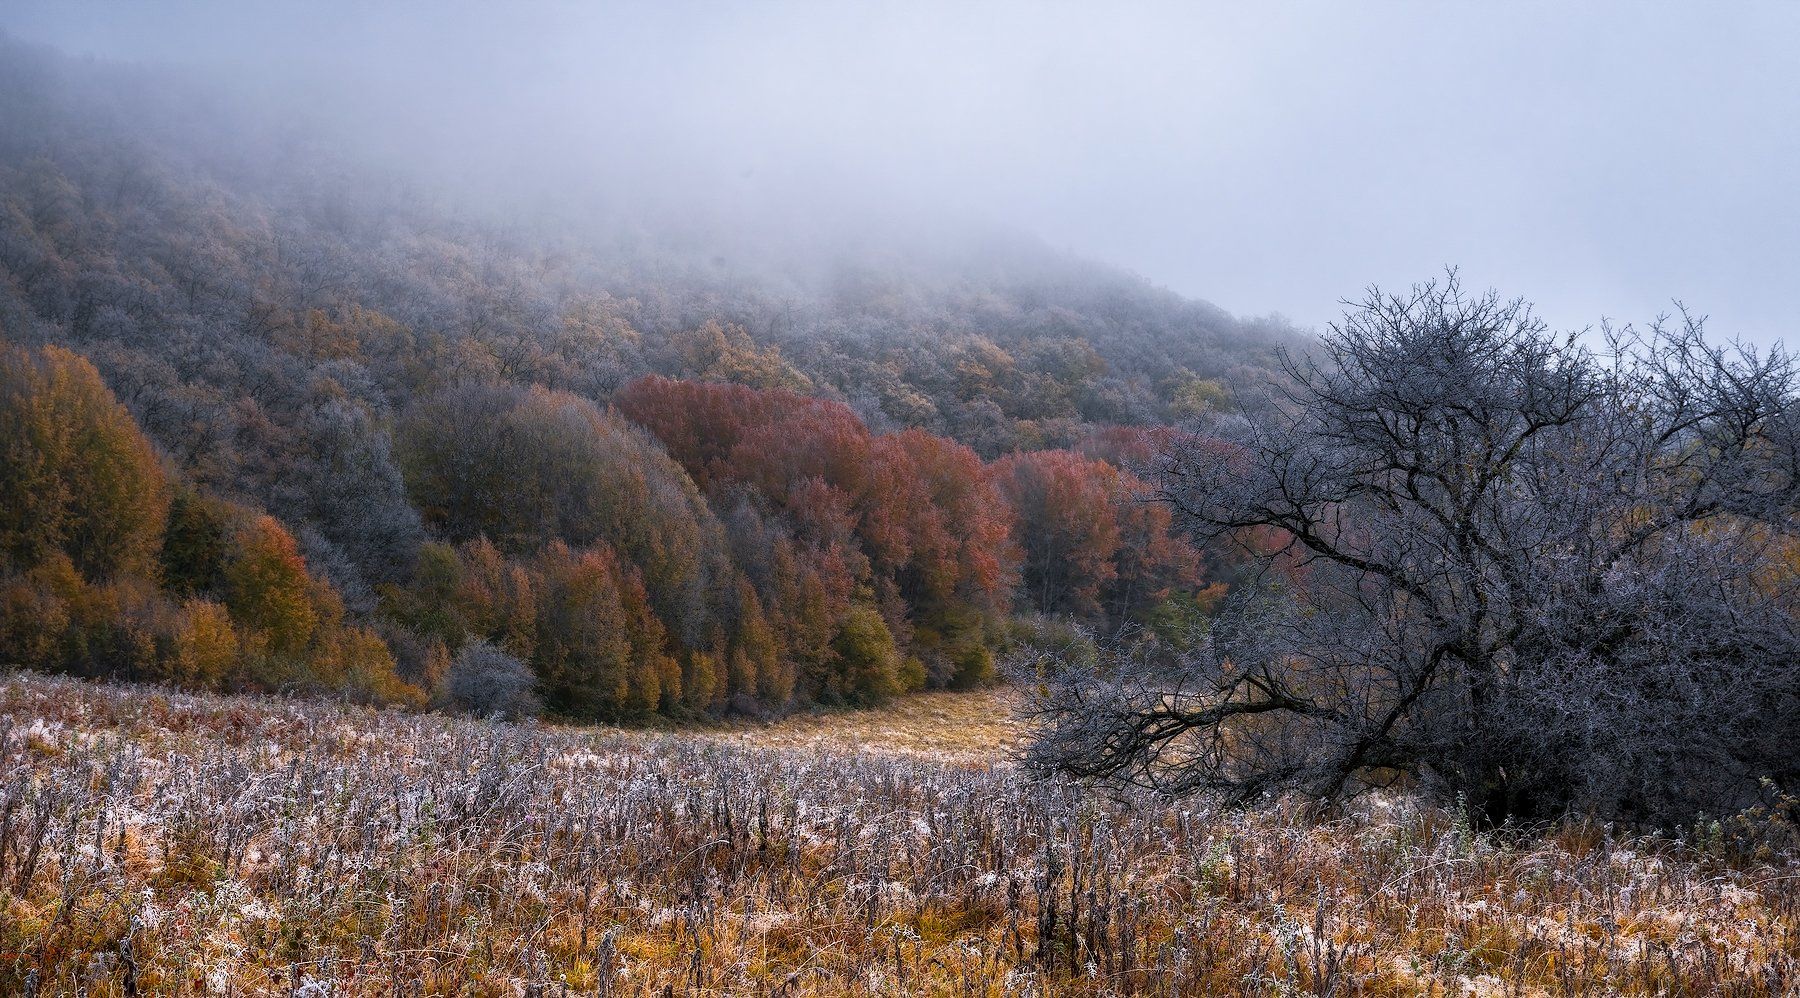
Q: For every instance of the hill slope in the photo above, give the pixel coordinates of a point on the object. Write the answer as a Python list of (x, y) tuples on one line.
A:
[(437, 411)]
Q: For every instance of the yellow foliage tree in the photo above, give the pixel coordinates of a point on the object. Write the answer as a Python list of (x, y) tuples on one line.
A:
[(76, 475), (268, 590), (205, 645)]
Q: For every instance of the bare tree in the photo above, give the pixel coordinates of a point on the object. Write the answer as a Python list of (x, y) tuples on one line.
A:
[(1541, 577), (484, 679)]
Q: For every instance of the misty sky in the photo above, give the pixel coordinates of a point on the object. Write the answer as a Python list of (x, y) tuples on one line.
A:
[(1269, 158)]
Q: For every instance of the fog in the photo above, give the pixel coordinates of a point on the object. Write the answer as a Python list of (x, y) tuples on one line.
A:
[(1603, 162)]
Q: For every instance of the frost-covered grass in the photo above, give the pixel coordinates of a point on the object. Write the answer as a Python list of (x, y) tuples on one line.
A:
[(157, 843)]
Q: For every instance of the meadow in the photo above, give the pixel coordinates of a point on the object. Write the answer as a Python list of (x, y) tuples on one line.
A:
[(154, 842)]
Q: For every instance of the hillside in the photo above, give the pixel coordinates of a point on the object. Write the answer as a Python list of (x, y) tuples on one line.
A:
[(657, 468), (655, 500), (159, 843)]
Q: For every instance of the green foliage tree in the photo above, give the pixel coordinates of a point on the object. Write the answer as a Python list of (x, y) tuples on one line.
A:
[(868, 660)]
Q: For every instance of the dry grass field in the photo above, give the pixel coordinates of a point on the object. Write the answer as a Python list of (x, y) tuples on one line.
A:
[(154, 843), (957, 728)]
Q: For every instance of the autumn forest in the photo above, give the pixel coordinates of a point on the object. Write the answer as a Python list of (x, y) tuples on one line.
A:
[(513, 500), (264, 429)]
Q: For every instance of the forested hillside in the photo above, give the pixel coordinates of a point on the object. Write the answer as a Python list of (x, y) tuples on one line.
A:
[(275, 417)]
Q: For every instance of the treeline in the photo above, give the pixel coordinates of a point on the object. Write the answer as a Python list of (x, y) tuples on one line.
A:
[(699, 549), (267, 310), (610, 479), (111, 567)]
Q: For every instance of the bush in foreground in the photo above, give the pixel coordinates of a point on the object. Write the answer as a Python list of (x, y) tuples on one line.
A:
[(486, 681)]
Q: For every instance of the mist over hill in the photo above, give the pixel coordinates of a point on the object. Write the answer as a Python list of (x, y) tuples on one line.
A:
[(169, 150), (401, 403), (292, 319)]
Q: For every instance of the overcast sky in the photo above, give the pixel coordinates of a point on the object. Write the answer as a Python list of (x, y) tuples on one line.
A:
[(1268, 157)]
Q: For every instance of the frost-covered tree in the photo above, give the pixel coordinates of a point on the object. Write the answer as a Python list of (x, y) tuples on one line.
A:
[(1543, 573), (486, 680)]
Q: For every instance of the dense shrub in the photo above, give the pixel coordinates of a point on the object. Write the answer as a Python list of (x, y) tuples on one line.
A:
[(486, 680), (869, 663)]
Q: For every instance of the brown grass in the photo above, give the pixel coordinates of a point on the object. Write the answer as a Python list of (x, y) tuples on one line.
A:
[(976, 728), (157, 843)]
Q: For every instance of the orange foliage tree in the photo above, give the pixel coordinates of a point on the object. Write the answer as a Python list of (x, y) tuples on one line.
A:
[(920, 529), (1091, 543)]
